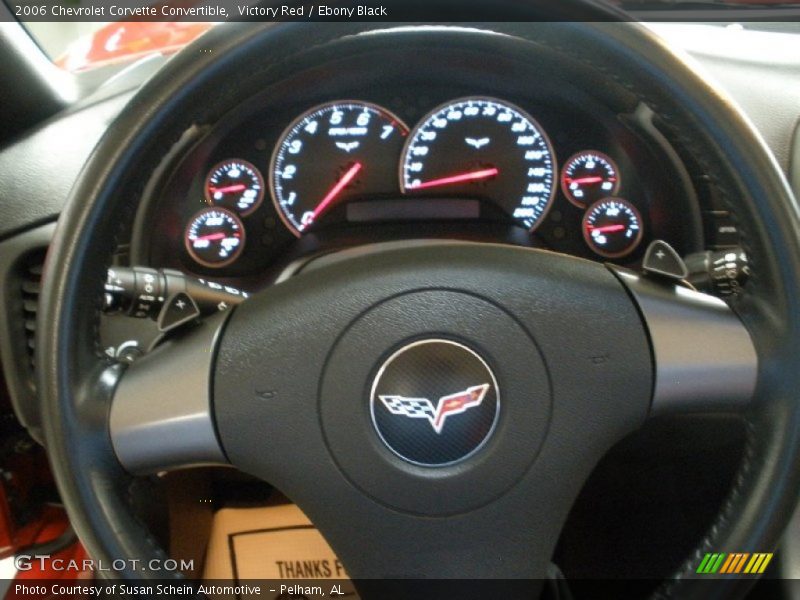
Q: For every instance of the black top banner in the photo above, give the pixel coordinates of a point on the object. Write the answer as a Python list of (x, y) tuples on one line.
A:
[(396, 10)]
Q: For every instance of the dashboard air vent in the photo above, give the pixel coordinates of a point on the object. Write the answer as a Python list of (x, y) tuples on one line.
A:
[(30, 281)]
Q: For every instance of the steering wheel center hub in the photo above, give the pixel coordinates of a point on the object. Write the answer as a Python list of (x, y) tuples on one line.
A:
[(410, 401), (435, 402)]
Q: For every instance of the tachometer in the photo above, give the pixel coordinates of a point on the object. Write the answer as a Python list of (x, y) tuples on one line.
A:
[(483, 148), (334, 152)]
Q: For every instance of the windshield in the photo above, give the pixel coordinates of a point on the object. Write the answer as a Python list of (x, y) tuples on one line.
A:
[(81, 46), (78, 46)]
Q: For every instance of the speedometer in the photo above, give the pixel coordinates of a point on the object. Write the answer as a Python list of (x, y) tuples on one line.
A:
[(334, 153), (483, 148)]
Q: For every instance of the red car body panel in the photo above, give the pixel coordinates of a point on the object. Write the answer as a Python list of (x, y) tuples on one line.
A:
[(127, 41)]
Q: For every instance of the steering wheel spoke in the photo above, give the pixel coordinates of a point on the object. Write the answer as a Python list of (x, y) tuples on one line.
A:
[(161, 414), (704, 358)]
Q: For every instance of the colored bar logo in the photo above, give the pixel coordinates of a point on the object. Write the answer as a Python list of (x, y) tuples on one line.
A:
[(736, 563)]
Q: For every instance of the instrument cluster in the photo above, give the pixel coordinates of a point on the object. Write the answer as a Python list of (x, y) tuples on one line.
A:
[(537, 173)]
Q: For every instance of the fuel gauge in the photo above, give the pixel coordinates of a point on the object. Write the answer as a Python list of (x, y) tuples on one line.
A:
[(235, 185)]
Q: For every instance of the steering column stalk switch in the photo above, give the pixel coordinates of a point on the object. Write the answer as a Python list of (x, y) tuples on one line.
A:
[(718, 272), (167, 296)]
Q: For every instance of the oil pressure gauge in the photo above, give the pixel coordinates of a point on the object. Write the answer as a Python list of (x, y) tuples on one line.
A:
[(589, 176)]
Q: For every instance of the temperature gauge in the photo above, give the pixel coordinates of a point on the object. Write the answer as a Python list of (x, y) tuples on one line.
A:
[(589, 176), (214, 237), (235, 185), (612, 227)]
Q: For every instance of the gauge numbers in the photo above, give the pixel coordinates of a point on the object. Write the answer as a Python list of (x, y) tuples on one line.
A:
[(483, 148), (335, 152)]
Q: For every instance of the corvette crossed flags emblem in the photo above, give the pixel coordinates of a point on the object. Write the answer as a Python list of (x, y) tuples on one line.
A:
[(422, 408)]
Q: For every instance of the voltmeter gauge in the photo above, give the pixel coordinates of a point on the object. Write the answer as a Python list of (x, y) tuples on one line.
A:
[(612, 227), (589, 176), (214, 237), (235, 185)]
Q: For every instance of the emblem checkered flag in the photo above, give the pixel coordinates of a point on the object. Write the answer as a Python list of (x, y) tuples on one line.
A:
[(416, 408)]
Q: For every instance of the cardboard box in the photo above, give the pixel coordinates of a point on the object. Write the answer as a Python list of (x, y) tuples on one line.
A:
[(271, 547)]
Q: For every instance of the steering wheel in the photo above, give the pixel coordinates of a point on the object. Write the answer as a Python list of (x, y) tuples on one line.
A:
[(294, 386)]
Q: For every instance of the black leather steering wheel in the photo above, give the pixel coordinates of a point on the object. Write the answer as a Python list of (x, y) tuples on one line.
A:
[(282, 387)]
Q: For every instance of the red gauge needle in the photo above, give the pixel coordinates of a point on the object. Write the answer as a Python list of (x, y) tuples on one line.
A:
[(239, 187), (607, 228), (582, 180), (471, 176), (211, 237), (214, 236), (335, 191)]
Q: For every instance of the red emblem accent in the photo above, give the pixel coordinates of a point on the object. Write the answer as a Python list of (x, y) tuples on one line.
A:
[(422, 408)]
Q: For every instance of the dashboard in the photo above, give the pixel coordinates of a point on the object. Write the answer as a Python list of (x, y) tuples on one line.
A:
[(584, 127), (587, 131), (434, 151)]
